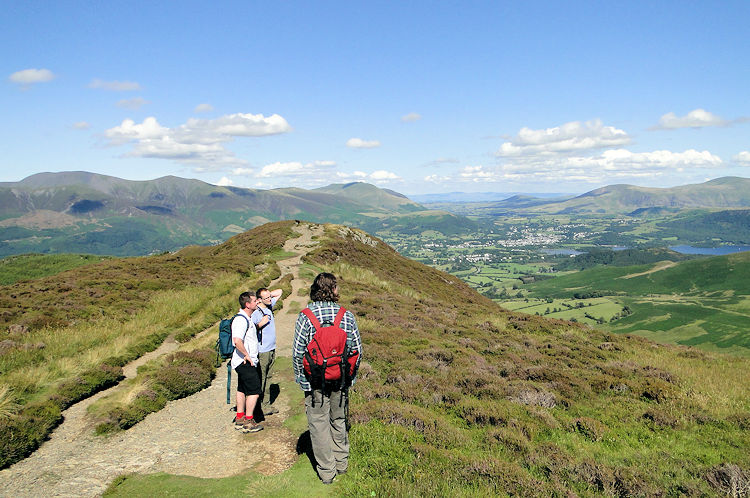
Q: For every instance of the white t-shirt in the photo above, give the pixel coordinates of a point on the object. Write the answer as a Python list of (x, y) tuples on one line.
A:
[(240, 329)]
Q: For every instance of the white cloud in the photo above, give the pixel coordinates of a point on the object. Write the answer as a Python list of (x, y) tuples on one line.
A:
[(134, 104), (199, 142), (130, 131), (242, 171), (81, 125), (313, 174), (743, 158), (296, 169), (411, 117), (240, 125), (439, 179), (571, 137), (380, 175), (442, 161), (698, 118), (571, 154), (168, 148), (115, 86), (610, 166), (203, 108), (358, 143), (224, 182), (29, 76)]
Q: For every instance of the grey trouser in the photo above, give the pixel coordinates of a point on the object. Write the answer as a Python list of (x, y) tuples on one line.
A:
[(330, 442), (265, 362)]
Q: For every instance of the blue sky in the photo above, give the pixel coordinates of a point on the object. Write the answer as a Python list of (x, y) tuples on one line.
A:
[(419, 97)]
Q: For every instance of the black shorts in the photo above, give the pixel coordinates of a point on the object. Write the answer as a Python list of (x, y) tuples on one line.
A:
[(248, 379)]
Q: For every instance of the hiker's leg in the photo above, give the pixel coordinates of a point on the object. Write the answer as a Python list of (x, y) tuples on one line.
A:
[(250, 402), (318, 421), (266, 361), (248, 388), (251, 380), (240, 402), (339, 436)]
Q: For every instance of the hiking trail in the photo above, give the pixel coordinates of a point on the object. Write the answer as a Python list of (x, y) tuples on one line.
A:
[(189, 436)]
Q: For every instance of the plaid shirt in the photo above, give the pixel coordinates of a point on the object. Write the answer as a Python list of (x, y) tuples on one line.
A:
[(304, 331)]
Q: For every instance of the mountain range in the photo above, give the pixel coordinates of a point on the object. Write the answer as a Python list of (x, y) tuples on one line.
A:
[(86, 212), (721, 193)]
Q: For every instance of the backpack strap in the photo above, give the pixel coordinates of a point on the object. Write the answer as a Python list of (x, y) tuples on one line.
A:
[(248, 324), (313, 319), (339, 317), (229, 379), (316, 323)]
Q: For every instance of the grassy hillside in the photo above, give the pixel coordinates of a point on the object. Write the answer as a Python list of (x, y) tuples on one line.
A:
[(31, 266), (65, 337), (704, 302), (458, 397)]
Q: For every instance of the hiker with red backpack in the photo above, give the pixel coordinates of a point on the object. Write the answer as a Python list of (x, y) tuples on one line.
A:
[(327, 349)]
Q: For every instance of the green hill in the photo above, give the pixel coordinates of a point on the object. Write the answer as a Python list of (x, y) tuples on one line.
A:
[(726, 192), (417, 222), (456, 395), (703, 302), (372, 195)]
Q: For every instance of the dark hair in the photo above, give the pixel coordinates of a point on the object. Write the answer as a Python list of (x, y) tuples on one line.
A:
[(257, 293), (245, 298), (324, 288)]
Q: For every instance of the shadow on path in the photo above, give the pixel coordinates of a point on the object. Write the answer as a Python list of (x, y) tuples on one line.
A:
[(304, 445)]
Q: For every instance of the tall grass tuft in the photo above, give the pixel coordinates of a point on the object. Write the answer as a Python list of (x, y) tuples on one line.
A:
[(8, 403)]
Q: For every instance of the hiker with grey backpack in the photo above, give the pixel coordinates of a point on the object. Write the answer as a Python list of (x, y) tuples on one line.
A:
[(327, 349)]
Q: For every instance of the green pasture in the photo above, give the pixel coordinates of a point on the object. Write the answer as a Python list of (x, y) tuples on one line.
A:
[(703, 303), (567, 309), (707, 325)]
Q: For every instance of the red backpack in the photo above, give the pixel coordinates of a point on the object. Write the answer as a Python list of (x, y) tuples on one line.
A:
[(328, 362)]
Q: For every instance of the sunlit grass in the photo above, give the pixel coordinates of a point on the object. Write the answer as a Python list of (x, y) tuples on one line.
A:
[(712, 382), (368, 277), (71, 350), (8, 402)]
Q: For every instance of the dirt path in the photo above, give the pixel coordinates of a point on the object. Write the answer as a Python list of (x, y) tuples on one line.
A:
[(190, 436), (661, 265)]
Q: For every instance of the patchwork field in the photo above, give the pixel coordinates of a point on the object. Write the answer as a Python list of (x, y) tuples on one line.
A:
[(704, 303)]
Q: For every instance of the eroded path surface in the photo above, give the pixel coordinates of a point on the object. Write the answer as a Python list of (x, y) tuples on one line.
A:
[(190, 436), (661, 265)]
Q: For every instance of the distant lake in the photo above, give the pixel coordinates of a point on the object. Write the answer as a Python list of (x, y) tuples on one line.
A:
[(710, 251), (561, 252)]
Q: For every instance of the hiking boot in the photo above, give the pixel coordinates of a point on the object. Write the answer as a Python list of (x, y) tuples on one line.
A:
[(270, 410), (328, 481), (251, 426), (238, 423), (341, 472)]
